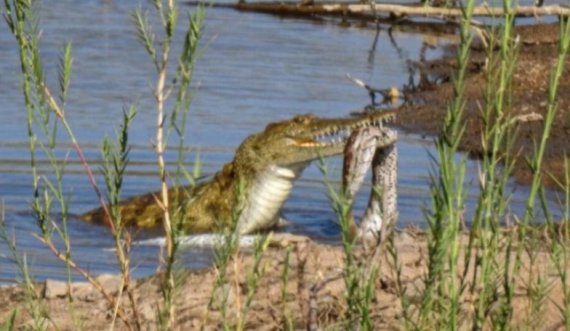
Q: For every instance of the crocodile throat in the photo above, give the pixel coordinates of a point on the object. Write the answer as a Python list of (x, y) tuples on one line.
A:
[(266, 197)]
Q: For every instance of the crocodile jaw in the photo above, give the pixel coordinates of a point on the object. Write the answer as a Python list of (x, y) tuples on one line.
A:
[(266, 196)]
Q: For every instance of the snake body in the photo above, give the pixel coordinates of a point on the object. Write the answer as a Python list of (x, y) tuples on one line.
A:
[(359, 155)]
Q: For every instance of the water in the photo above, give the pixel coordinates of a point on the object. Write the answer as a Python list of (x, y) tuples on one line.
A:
[(254, 69)]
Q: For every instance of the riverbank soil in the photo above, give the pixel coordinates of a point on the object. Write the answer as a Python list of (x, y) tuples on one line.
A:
[(535, 63), (313, 293)]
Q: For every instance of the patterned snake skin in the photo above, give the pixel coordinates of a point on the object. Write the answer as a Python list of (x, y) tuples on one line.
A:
[(360, 154)]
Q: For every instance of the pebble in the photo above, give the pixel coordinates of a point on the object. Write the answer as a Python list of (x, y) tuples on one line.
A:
[(148, 311), (55, 289), (111, 283)]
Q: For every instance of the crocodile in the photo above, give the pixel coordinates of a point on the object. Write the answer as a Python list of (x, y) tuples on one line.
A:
[(265, 167)]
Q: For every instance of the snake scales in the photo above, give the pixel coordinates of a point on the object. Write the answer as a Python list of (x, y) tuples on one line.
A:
[(359, 155)]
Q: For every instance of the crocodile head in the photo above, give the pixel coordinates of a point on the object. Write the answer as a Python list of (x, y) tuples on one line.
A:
[(307, 137)]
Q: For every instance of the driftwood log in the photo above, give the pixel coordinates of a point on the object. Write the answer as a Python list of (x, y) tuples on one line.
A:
[(400, 10), (392, 10)]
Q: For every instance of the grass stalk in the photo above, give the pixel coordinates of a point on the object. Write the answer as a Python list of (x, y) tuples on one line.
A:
[(400, 287), (168, 14), (535, 162), (559, 247), (35, 305), (10, 323), (286, 318), (41, 105), (253, 276), (359, 272), (115, 161), (440, 303), (224, 251), (48, 112), (33, 73), (499, 133)]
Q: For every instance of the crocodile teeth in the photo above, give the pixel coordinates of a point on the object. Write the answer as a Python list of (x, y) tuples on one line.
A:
[(312, 144), (339, 134)]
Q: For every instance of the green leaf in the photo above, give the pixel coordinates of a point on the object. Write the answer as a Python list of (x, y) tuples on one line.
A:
[(10, 324)]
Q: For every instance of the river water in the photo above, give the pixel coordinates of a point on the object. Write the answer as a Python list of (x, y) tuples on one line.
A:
[(253, 69)]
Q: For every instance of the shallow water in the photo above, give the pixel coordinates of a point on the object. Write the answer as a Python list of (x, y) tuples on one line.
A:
[(253, 69)]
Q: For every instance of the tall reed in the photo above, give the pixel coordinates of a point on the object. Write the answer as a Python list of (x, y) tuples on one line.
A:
[(536, 288), (498, 158), (34, 305), (45, 115), (559, 252), (173, 213), (360, 271), (440, 303), (493, 259)]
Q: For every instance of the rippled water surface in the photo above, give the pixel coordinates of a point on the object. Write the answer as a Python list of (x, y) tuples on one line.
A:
[(253, 69)]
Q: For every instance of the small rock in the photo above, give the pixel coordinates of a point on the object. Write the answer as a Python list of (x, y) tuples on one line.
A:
[(282, 240), (415, 289), (111, 283), (148, 311), (55, 289), (86, 292)]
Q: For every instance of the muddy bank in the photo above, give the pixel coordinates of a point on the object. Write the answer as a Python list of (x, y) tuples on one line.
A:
[(314, 292), (536, 60)]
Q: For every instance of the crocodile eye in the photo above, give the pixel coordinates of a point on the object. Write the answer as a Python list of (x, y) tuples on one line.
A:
[(304, 119)]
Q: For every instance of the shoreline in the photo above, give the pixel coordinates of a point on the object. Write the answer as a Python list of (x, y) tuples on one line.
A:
[(535, 61), (315, 285)]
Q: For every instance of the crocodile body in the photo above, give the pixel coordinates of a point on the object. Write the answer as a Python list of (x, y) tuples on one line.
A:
[(267, 164)]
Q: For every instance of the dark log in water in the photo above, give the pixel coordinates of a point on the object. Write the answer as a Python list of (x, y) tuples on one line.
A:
[(391, 10)]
